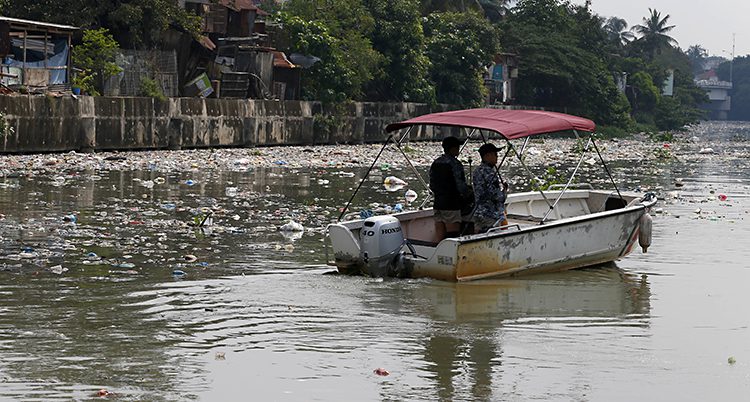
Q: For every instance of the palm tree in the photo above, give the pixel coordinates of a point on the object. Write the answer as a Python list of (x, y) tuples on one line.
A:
[(617, 31), (697, 55), (654, 32)]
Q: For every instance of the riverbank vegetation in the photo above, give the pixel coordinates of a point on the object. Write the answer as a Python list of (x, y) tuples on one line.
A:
[(437, 51)]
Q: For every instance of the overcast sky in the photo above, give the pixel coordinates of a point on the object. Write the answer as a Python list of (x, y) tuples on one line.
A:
[(708, 23)]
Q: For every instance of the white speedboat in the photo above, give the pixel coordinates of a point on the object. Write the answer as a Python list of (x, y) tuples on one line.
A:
[(551, 230)]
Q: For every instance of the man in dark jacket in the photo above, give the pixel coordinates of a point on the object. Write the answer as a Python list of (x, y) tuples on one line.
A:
[(448, 185)]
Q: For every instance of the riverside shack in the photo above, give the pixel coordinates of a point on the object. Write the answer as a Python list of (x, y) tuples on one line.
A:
[(35, 54)]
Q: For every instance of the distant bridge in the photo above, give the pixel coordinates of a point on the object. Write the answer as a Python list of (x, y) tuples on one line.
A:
[(719, 101)]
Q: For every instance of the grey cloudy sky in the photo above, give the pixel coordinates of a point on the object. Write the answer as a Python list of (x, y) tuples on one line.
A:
[(709, 24)]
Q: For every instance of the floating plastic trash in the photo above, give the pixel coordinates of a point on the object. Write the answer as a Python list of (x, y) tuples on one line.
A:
[(292, 226), (231, 191), (705, 151), (190, 258), (410, 196), (28, 254), (178, 273), (70, 218), (393, 180), (366, 213), (281, 163), (722, 197), (190, 182), (398, 208), (381, 372), (58, 269), (168, 206)]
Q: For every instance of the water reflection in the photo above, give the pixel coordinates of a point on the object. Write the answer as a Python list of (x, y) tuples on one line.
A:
[(288, 332), (464, 348)]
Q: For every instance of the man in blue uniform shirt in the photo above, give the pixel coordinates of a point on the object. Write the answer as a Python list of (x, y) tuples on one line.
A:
[(489, 193)]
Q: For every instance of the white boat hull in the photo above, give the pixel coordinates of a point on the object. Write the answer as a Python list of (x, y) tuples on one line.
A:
[(526, 247)]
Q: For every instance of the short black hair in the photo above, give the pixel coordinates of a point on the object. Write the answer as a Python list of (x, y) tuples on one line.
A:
[(450, 142)]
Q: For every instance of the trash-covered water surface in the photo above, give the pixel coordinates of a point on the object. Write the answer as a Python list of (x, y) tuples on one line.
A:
[(151, 213), (173, 275)]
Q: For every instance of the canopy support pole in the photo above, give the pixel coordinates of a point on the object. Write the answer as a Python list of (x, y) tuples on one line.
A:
[(387, 141), (408, 161), (570, 180), (606, 169), (531, 174)]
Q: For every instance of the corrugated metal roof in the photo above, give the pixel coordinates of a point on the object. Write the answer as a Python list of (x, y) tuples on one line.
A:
[(238, 5), (280, 60), (38, 24)]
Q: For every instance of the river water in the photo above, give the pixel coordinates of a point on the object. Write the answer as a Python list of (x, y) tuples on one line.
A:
[(133, 300)]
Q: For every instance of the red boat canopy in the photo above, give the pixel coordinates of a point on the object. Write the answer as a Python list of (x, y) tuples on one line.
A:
[(511, 124)]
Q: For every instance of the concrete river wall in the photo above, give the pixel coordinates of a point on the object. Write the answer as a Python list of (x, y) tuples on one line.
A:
[(58, 124)]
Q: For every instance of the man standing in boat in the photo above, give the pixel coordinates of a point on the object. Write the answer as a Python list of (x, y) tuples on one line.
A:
[(448, 184), (489, 193)]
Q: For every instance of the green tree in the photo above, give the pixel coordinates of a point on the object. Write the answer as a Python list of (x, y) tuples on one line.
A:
[(494, 10), (740, 107), (643, 95), (96, 59), (399, 37), (697, 55), (459, 46), (134, 23), (442, 6), (653, 33), (617, 32), (340, 38), (563, 53)]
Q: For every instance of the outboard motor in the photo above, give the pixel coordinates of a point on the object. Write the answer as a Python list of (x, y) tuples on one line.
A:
[(380, 241)]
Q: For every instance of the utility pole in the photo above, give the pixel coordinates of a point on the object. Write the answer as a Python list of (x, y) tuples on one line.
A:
[(731, 62)]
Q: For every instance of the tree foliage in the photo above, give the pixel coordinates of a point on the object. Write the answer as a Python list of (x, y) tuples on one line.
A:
[(95, 57), (654, 33), (340, 37), (740, 109), (399, 37), (562, 50), (459, 46), (439, 50), (697, 55), (134, 23), (618, 33)]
